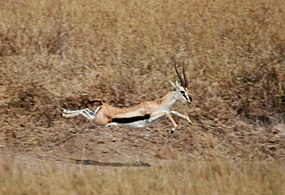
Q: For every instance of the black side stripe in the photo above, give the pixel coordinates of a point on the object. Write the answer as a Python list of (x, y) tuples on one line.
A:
[(131, 119)]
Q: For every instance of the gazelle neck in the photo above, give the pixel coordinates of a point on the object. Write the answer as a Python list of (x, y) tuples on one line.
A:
[(168, 100)]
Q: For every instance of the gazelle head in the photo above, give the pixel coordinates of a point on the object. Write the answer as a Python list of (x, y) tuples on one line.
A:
[(181, 89)]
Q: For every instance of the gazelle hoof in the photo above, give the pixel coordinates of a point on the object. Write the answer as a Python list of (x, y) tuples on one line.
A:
[(63, 114), (190, 122)]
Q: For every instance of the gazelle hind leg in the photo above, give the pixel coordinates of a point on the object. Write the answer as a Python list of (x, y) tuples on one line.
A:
[(87, 113), (70, 113)]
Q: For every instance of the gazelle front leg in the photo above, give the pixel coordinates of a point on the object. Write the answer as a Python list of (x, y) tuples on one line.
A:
[(159, 115), (173, 122), (181, 116)]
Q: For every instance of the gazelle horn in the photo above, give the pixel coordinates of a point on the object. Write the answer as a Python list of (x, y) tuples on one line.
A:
[(175, 67)]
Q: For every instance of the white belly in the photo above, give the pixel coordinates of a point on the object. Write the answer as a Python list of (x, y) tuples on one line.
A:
[(136, 124)]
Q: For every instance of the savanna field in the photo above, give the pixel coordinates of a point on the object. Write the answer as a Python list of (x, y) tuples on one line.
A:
[(63, 53)]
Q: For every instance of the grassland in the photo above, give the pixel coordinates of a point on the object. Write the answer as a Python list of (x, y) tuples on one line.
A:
[(56, 54), (175, 177)]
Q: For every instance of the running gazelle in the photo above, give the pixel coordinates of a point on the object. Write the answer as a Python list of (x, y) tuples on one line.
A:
[(142, 114)]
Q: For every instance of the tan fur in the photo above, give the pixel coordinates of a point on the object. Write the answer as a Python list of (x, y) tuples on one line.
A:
[(108, 112)]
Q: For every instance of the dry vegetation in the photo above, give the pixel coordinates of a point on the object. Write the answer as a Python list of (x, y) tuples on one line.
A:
[(56, 54), (179, 177)]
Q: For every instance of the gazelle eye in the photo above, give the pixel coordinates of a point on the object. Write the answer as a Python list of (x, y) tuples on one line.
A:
[(182, 92)]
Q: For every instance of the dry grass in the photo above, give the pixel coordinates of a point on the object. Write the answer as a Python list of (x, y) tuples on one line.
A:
[(56, 54), (179, 177)]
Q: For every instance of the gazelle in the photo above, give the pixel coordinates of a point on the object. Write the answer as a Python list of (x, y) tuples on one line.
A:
[(142, 114)]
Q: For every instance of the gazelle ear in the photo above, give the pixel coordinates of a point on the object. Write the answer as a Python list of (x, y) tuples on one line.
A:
[(173, 85), (178, 84)]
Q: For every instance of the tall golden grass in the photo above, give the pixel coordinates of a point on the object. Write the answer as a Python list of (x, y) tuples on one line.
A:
[(179, 177), (60, 53)]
